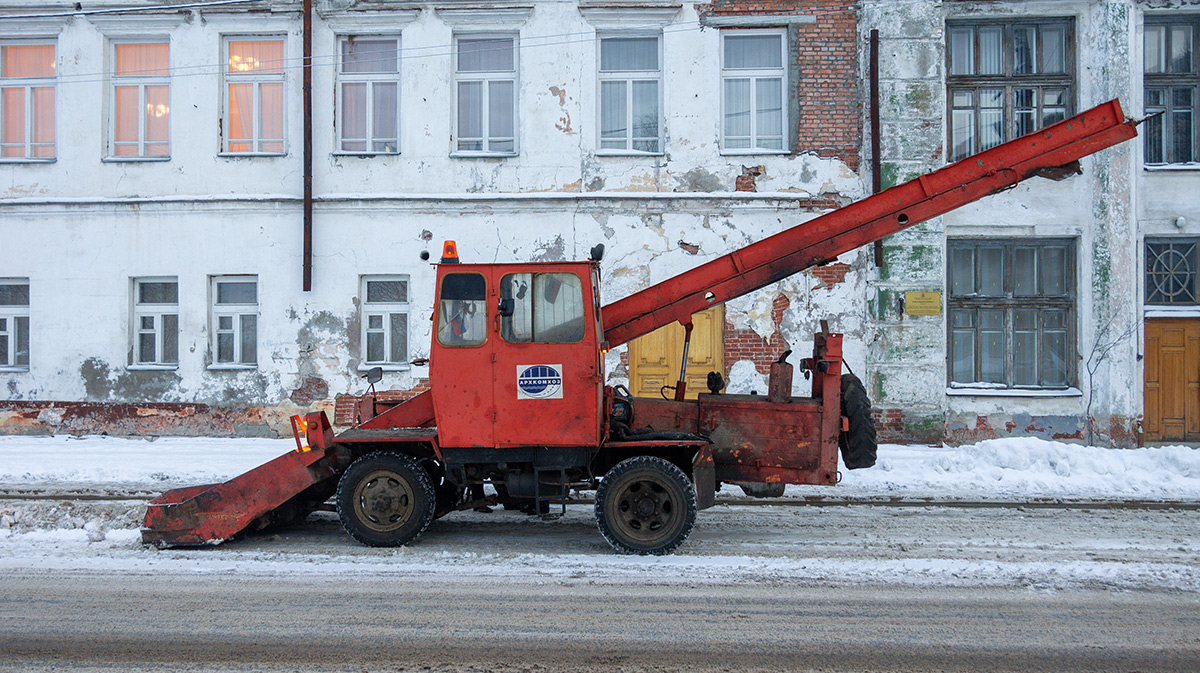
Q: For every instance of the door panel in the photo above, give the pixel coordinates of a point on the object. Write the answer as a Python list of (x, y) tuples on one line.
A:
[(654, 358), (1172, 380)]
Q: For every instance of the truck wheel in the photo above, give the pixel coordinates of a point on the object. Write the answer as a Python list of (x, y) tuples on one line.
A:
[(858, 443), (385, 499), (645, 505)]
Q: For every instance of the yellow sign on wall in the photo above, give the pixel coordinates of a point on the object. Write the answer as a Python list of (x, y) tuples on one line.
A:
[(923, 303)]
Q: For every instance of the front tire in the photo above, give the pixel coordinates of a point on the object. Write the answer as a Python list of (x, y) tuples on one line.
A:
[(385, 499), (645, 505)]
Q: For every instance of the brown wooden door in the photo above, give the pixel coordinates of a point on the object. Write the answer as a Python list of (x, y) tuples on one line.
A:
[(654, 359), (1172, 372)]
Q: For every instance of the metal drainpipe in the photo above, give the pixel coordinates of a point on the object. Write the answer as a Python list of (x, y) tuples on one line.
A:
[(308, 149), (876, 177)]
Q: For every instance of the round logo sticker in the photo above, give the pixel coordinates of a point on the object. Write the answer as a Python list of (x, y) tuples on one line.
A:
[(540, 382)]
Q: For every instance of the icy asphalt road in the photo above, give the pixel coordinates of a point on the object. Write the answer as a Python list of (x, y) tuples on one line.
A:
[(855, 588)]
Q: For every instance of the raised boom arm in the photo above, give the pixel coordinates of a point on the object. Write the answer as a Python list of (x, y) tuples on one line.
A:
[(824, 238)]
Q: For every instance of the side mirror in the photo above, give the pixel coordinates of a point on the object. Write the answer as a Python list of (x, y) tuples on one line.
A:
[(374, 375), (507, 307)]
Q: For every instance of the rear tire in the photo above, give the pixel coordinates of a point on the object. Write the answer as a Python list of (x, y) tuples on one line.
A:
[(385, 499), (645, 505), (858, 444)]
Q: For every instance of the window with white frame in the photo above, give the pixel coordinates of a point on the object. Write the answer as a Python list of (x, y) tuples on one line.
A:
[(156, 322), (27, 84), (630, 91), (368, 95), (1172, 81), (1007, 79), (254, 76), (139, 124), (385, 320), (1011, 313), (753, 84), (235, 321), (485, 86), (14, 324)]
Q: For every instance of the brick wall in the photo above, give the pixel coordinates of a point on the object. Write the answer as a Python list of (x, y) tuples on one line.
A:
[(343, 414)]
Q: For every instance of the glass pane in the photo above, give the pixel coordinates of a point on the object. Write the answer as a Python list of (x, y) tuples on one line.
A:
[(147, 322), (962, 346), (645, 114), (1025, 111), (1171, 273), (737, 108), (628, 53), (1054, 106), (374, 322), (249, 338), (486, 55), (4, 347), (43, 121), (557, 308), (126, 116), (28, 60), (519, 326), (962, 52), (1181, 125), (224, 347), (158, 292), (991, 345), (142, 60), (375, 345), (1155, 49), (1054, 50), (768, 104), (1152, 133), (262, 56), (963, 123), (470, 115), (500, 113), (359, 55), (13, 101), (385, 114), (1054, 363), (146, 347), (1181, 49), (991, 118), (22, 350), (613, 128), (1053, 271), (399, 340), (237, 292), (272, 116), (462, 310), (1025, 352), (170, 338), (241, 117), (225, 323), (753, 51), (1024, 272), (354, 116), (387, 291), (991, 52), (158, 111), (1024, 43), (962, 271), (14, 294), (991, 272)]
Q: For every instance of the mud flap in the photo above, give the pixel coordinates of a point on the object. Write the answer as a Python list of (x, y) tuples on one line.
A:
[(704, 476)]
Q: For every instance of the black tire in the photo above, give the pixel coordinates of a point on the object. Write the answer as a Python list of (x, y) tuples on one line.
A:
[(385, 499), (645, 505), (858, 444)]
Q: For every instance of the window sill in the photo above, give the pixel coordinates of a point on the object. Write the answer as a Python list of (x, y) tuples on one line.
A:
[(1014, 392), (366, 155), (627, 153), (152, 368), (231, 368), (14, 370), (752, 152), (250, 155), (127, 160), (28, 160), (393, 367), (482, 155), (1171, 168)]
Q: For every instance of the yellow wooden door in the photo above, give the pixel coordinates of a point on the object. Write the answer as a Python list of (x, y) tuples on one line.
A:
[(1172, 373), (654, 359)]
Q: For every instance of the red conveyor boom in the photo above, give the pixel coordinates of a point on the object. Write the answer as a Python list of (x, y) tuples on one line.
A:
[(824, 238)]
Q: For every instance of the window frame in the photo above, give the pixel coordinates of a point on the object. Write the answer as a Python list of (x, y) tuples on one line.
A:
[(257, 79), (487, 77), (1008, 302), (141, 82), (754, 74), (629, 77), (370, 79), (1194, 272), (236, 310), (10, 313), (157, 311), (386, 310), (1008, 79), (28, 85), (1169, 82)]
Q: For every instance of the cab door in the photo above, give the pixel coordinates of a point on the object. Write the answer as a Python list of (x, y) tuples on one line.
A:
[(547, 378), (461, 359)]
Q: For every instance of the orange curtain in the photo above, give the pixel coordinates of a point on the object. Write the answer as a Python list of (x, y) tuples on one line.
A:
[(257, 56), (144, 60), (29, 60)]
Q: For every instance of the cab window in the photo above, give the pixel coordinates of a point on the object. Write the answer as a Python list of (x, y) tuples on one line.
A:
[(547, 308), (462, 310)]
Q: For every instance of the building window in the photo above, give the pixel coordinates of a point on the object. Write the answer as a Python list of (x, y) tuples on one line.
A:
[(630, 91), (1172, 80), (368, 95), (485, 85), (141, 101), (753, 82), (1006, 80), (14, 324), (1011, 313), (385, 320), (156, 322), (1171, 271), (235, 320), (254, 77), (27, 100)]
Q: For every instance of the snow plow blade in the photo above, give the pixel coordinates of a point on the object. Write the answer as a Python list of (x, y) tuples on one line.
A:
[(283, 490)]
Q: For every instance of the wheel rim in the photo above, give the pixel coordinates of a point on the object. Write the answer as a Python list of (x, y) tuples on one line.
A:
[(384, 501), (644, 509)]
